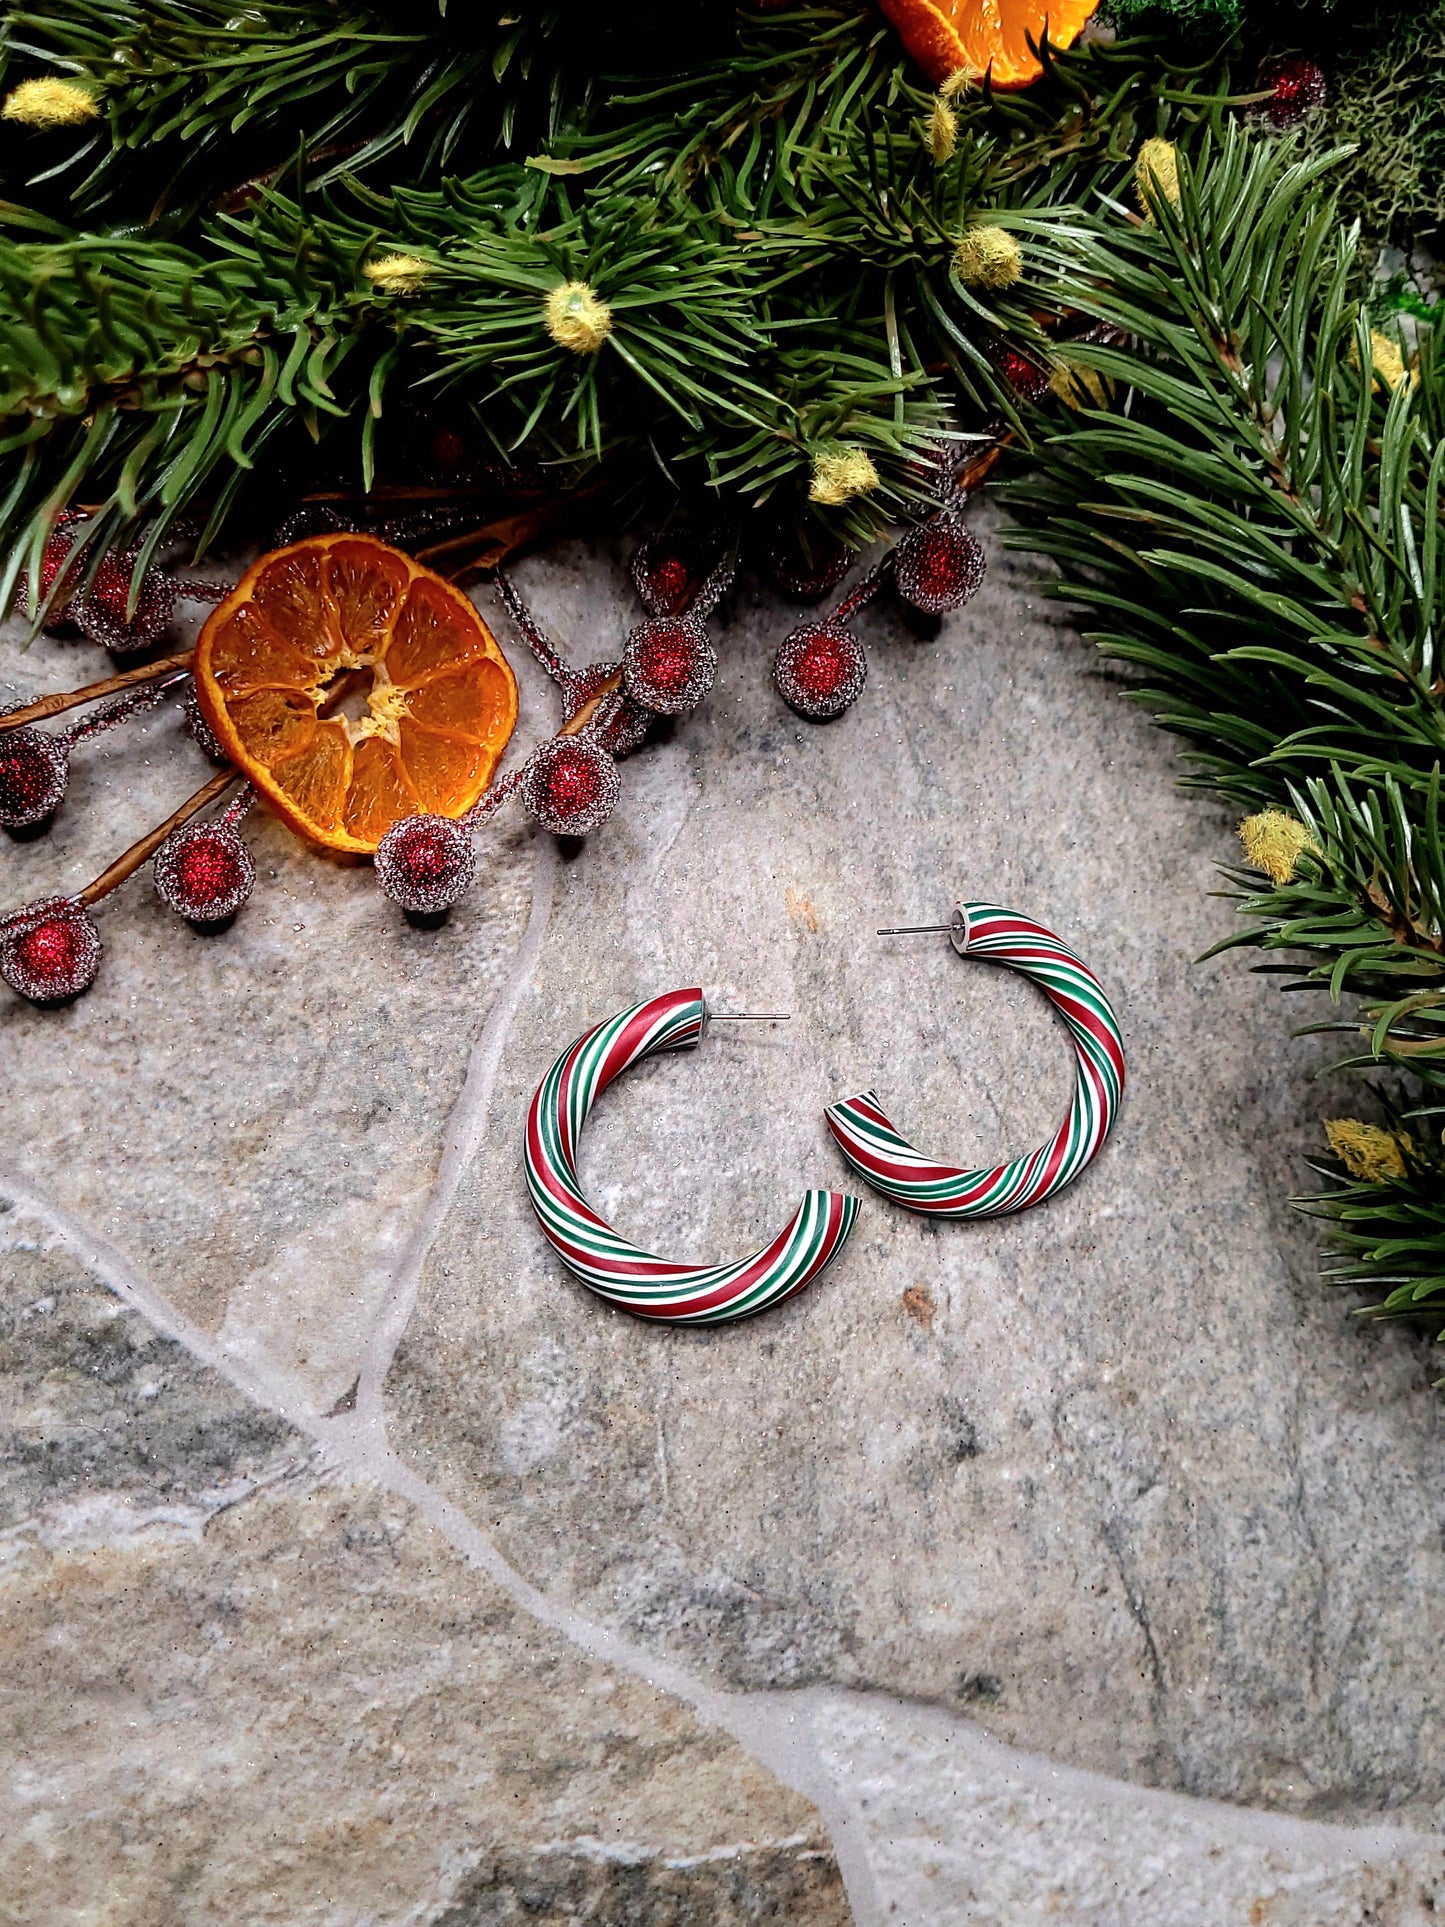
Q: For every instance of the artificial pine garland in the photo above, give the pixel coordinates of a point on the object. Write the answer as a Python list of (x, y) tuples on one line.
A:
[(769, 269)]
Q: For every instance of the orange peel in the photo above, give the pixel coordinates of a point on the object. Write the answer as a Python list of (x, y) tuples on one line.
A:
[(986, 37), (341, 616)]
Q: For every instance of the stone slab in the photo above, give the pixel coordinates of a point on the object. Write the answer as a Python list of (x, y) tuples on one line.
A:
[(964, 1832), (235, 1687), (1117, 1477)]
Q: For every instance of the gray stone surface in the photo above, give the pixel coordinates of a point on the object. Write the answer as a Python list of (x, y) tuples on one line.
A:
[(1127, 1485), (1117, 1484), (236, 1688), (966, 1833)]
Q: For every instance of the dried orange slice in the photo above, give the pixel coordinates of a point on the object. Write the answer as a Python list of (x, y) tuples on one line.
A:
[(344, 621), (978, 37)]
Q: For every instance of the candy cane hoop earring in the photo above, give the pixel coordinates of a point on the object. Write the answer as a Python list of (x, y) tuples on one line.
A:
[(889, 1162), (602, 1258)]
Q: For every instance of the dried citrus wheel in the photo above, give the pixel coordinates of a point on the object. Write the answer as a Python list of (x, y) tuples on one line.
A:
[(978, 37), (342, 622)]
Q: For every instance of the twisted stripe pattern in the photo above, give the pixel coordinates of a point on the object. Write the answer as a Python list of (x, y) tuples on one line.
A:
[(873, 1147), (608, 1263)]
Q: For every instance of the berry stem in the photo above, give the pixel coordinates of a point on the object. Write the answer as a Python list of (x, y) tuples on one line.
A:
[(576, 724), (70, 698), (540, 647), (130, 860)]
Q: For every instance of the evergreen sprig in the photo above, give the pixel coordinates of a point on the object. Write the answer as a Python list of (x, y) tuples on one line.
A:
[(1254, 528)]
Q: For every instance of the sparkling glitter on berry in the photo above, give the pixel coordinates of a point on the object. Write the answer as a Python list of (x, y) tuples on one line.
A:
[(201, 730), (570, 786), (938, 566), (668, 665), (625, 728), (1297, 85), (820, 670), (100, 610), (33, 772), (50, 951), (663, 577), (806, 574), (204, 872), (1024, 376), (426, 864)]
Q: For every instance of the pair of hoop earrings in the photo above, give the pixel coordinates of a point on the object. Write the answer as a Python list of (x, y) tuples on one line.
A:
[(623, 1274)]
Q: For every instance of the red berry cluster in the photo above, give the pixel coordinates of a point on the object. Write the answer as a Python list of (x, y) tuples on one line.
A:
[(938, 566), (34, 769), (204, 872), (426, 864), (1297, 86), (50, 951), (571, 786), (669, 664), (820, 670)]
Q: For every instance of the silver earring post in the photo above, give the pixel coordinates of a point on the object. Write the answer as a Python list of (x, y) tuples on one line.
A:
[(918, 930)]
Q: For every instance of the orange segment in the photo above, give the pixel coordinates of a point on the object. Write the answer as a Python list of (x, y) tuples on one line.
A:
[(246, 654), (428, 638), (435, 764), (452, 702), (379, 792), (978, 37), (282, 653)]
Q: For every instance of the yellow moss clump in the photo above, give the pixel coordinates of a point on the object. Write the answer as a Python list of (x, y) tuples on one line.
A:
[(1275, 842), (50, 103), (576, 319), (1156, 174), (397, 273), (1388, 359), (1365, 1150), (1079, 387), (942, 131), (988, 257), (841, 473)]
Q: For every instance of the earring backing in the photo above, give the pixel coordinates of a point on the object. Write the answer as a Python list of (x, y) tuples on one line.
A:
[(876, 1150), (605, 1261)]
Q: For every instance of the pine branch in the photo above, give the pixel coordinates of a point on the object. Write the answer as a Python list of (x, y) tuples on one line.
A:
[(1256, 520)]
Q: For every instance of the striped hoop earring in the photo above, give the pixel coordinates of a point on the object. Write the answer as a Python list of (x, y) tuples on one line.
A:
[(610, 1264), (889, 1162)]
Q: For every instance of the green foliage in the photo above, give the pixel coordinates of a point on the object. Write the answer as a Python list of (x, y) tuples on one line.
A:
[(1386, 68), (773, 235), (1255, 529)]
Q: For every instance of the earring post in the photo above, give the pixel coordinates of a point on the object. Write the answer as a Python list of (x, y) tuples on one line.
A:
[(917, 930), (749, 1016)]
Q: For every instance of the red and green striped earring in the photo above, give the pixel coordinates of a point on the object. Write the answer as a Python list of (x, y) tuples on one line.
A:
[(876, 1150), (602, 1258)]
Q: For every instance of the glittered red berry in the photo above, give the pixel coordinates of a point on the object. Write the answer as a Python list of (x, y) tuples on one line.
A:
[(820, 670), (664, 575), (100, 610), (50, 951), (806, 570), (34, 768), (426, 864), (570, 786), (1023, 375), (204, 872), (668, 665), (938, 566), (1296, 84), (201, 730)]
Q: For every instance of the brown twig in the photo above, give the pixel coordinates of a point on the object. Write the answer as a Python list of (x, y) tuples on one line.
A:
[(590, 708), (70, 698), (130, 860)]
